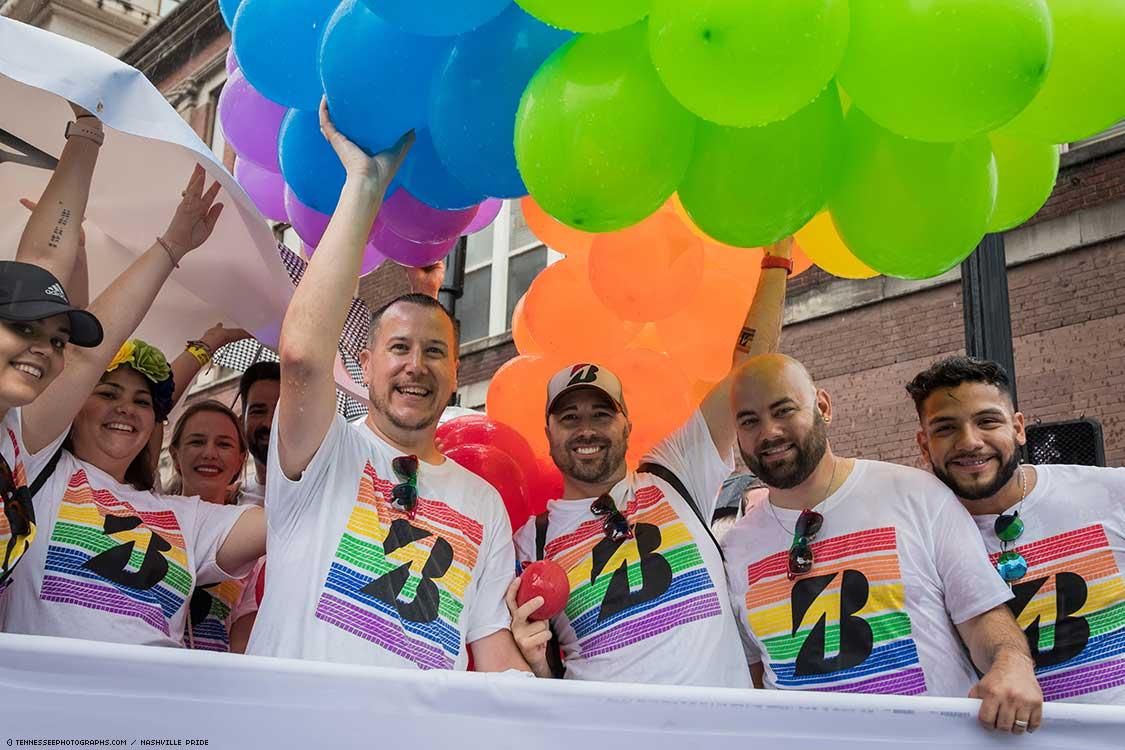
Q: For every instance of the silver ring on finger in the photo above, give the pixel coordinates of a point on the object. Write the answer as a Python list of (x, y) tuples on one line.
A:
[(1021, 723)]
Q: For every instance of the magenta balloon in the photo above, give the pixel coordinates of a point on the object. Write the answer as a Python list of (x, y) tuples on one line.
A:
[(265, 188), (486, 214), (232, 61), (250, 122), (308, 223), (406, 252), (372, 259), (413, 220)]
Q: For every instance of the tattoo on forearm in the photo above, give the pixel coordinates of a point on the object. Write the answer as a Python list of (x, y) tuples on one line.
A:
[(746, 338), (57, 232)]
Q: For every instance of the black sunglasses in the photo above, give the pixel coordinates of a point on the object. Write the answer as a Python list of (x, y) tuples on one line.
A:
[(800, 552), (18, 511), (405, 493), (615, 524)]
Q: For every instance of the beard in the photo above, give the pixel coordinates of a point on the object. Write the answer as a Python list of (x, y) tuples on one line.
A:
[(259, 445), (590, 472), (1003, 476), (788, 474), (380, 402)]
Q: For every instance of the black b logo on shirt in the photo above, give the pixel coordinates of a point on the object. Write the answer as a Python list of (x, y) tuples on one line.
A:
[(387, 587), (1071, 633), (113, 564), (656, 573), (856, 638)]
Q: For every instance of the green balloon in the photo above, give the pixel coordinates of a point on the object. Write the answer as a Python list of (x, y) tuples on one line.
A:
[(1026, 174), (591, 16), (747, 62), (600, 143), (908, 208), (946, 70), (753, 186), (1085, 89)]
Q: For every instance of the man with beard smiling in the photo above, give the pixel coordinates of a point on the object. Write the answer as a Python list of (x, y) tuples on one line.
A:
[(648, 600), (1055, 533), (858, 576), (381, 551), (258, 389)]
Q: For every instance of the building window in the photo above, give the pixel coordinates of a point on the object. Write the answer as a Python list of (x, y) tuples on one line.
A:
[(474, 306)]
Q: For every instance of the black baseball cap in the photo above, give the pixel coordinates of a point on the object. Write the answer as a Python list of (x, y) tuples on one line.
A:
[(28, 292)]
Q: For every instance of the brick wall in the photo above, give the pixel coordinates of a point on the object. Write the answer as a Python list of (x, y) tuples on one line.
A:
[(1068, 326)]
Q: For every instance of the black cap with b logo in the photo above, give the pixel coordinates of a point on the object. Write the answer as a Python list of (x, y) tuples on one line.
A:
[(28, 292), (585, 376)]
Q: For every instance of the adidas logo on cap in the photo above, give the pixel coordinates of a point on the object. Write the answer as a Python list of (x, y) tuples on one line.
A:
[(56, 290)]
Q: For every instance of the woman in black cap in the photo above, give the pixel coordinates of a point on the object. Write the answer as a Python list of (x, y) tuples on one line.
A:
[(38, 321)]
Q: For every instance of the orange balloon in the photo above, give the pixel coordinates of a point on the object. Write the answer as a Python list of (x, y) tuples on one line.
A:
[(525, 343), (656, 395), (674, 206), (552, 232), (517, 396), (647, 271), (801, 262), (700, 339), (568, 321)]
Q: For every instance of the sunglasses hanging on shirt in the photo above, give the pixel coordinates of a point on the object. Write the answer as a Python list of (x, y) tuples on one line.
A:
[(20, 516), (405, 493), (1011, 565), (614, 524)]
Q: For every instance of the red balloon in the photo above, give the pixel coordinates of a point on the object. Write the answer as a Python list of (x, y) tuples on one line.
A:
[(501, 471), (478, 429), (545, 483), (545, 578), (260, 586)]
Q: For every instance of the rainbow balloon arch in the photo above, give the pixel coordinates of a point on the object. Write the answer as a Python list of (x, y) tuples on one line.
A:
[(659, 144)]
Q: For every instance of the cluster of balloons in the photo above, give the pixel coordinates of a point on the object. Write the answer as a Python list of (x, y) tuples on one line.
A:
[(451, 71), (918, 126), (502, 457), (659, 303)]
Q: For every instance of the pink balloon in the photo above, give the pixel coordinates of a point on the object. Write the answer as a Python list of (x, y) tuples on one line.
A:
[(487, 212), (406, 252), (310, 225), (232, 61), (416, 221), (250, 122), (265, 188)]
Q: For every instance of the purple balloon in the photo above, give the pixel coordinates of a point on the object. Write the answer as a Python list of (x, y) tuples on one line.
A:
[(308, 223), (372, 259), (413, 220), (265, 188), (232, 61), (250, 122), (406, 252), (486, 214)]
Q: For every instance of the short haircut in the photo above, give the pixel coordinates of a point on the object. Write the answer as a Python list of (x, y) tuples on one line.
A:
[(414, 298), (254, 373), (952, 372)]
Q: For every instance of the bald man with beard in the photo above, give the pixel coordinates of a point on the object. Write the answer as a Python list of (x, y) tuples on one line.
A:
[(862, 576)]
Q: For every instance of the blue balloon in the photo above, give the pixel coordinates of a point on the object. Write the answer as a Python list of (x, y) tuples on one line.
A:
[(310, 166), (277, 44), (477, 93), (427, 179), (438, 17), (228, 8), (376, 76)]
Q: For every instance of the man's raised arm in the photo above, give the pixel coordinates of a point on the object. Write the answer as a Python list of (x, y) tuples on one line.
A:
[(315, 318)]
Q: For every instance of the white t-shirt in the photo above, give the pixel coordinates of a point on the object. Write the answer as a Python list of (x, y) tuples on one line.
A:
[(896, 565), (352, 579), (113, 563), (1071, 602), (654, 608), (15, 454), (253, 491), (211, 614)]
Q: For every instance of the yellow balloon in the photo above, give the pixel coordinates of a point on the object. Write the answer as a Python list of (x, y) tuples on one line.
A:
[(821, 242)]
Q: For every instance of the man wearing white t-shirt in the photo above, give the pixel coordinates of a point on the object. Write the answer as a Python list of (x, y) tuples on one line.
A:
[(1055, 533), (258, 390), (859, 576), (648, 598), (381, 551)]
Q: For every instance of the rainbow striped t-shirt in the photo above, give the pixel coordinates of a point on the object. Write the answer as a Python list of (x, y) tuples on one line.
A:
[(1071, 602), (896, 563)]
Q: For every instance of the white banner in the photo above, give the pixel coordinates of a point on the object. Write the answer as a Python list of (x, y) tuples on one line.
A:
[(60, 689), (147, 158)]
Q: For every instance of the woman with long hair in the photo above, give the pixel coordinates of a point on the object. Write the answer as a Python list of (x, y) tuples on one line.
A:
[(114, 560), (209, 454)]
